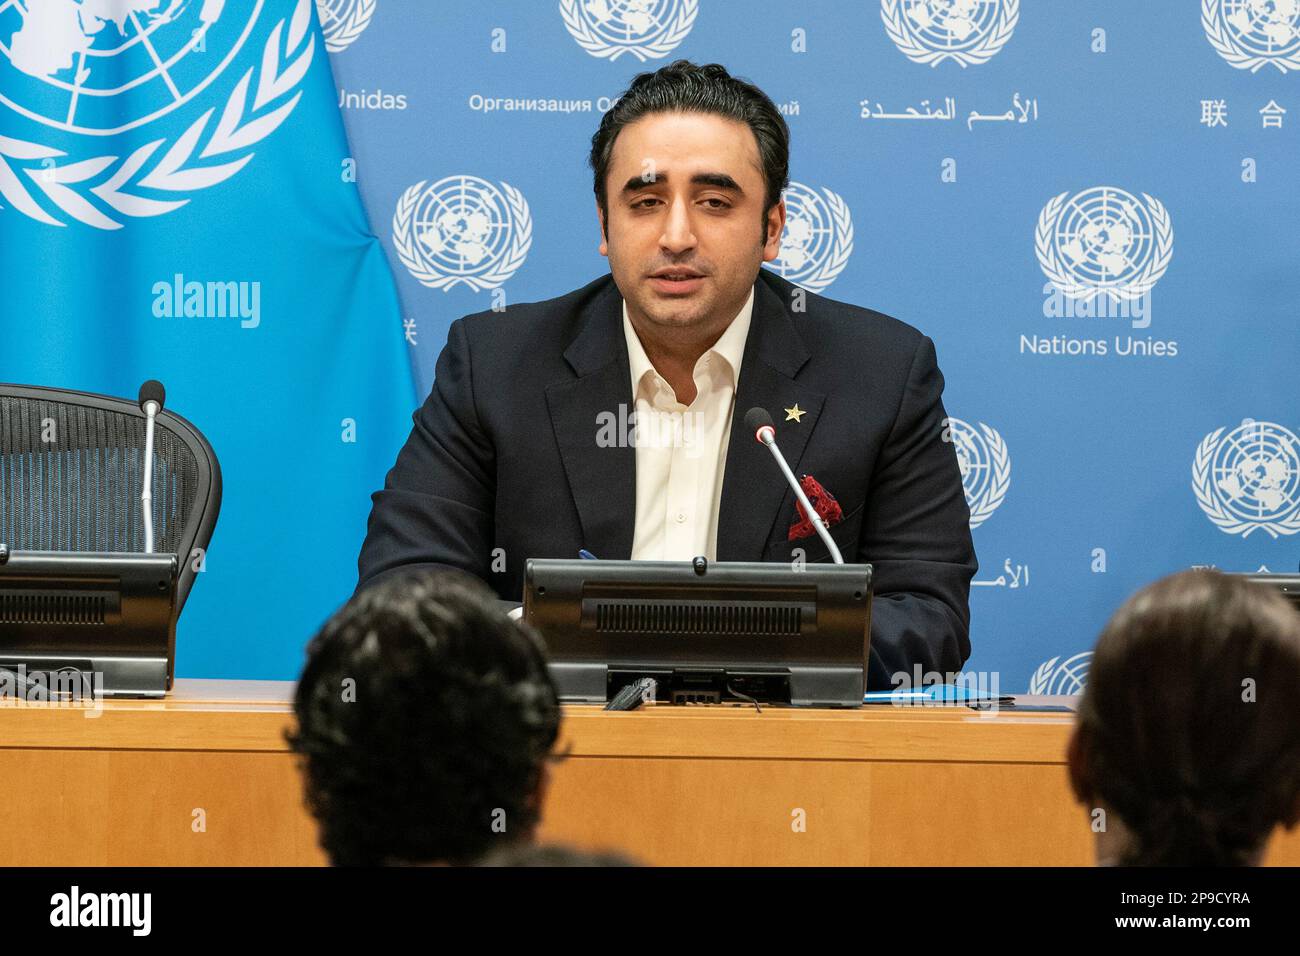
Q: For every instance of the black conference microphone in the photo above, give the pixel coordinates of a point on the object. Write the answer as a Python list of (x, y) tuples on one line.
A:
[(759, 422), (152, 396)]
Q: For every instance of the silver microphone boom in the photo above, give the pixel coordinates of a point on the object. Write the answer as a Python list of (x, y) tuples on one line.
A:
[(765, 434)]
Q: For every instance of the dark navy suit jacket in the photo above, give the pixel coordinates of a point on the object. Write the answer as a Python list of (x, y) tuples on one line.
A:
[(504, 454)]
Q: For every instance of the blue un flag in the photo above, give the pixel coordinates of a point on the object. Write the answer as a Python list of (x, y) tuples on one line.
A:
[(178, 201)]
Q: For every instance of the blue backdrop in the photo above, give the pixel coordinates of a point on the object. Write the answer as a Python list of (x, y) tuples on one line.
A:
[(1091, 208), (1084, 466)]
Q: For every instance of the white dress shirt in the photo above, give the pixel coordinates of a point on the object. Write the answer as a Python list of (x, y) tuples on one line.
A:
[(681, 450)]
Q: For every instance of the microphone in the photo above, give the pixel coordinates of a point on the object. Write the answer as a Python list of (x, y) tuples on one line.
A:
[(758, 421), (152, 396)]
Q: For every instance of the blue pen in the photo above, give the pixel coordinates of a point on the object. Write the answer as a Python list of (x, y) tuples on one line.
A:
[(586, 555)]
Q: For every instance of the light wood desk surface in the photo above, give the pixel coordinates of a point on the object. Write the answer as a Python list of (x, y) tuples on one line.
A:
[(204, 777)]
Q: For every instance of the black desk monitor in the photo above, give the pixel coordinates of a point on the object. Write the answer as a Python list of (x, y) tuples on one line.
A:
[(706, 632), (110, 618), (1287, 584)]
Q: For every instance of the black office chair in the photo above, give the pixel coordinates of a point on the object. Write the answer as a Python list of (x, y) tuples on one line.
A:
[(70, 478)]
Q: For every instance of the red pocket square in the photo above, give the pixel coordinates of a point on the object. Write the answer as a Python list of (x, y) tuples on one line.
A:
[(823, 503)]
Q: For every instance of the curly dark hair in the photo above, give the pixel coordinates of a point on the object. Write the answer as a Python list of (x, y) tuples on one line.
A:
[(425, 716), (1197, 767), (686, 87)]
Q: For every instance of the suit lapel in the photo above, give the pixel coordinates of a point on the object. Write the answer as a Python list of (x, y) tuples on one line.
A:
[(601, 474), (755, 496)]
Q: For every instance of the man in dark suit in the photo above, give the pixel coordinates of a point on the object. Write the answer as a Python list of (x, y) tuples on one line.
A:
[(521, 449)]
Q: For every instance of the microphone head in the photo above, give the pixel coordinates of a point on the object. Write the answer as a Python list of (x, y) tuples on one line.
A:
[(152, 391), (756, 420)]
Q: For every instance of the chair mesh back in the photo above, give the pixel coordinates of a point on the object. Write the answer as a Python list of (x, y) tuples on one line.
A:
[(70, 480)]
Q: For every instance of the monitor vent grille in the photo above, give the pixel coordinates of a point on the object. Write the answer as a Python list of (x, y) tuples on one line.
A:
[(20, 608), (656, 617)]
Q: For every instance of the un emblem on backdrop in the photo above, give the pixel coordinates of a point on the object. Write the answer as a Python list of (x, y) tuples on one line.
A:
[(931, 31), (817, 240), (647, 29), (984, 463), (1104, 241), (100, 70), (1252, 33), (462, 229), (342, 21), (1249, 479), (1070, 676)]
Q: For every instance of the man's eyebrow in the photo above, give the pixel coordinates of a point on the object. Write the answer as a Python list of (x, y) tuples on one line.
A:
[(719, 180)]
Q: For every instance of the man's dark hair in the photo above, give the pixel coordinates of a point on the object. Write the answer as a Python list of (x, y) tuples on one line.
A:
[(1188, 726), (686, 87), (425, 716)]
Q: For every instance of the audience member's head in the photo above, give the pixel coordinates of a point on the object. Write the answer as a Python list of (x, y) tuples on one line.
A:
[(425, 719), (1187, 750)]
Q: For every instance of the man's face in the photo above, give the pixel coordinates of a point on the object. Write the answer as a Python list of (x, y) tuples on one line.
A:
[(685, 194)]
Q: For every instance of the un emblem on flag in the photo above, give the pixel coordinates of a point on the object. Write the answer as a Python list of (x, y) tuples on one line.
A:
[(1104, 240), (1252, 33), (100, 70), (817, 239), (462, 229), (931, 31), (984, 463), (1248, 479), (74, 68), (647, 29)]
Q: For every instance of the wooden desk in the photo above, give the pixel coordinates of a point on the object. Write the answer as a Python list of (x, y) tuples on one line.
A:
[(205, 778)]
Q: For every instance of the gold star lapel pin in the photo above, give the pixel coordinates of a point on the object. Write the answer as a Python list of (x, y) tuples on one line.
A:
[(795, 414)]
